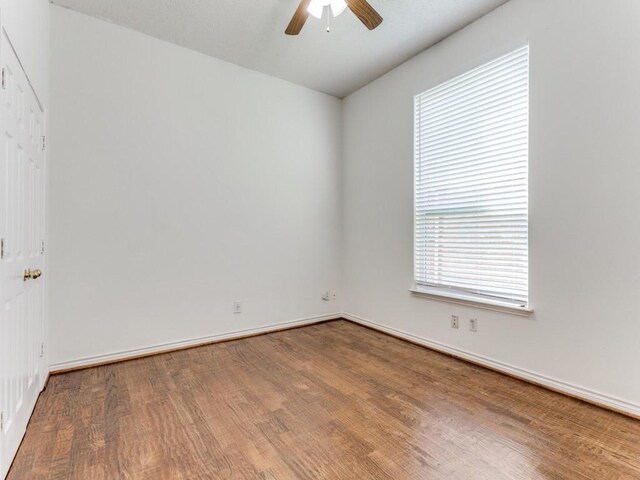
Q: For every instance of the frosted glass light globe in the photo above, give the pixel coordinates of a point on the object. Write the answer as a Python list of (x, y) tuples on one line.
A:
[(316, 7)]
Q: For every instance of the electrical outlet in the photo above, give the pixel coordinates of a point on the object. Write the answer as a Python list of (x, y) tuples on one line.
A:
[(237, 307), (473, 324), (455, 321), (326, 296)]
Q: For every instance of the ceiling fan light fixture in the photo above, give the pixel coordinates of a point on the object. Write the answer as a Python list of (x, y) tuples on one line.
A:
[(316, 7), (360, 8), (338, 6)]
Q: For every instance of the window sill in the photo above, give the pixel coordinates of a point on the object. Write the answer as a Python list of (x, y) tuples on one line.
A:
[(469, 300)]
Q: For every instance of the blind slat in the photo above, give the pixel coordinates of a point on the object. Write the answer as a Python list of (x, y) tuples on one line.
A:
[(471, 181)]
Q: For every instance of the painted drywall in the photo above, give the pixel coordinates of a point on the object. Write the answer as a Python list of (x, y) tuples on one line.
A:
[(251, 34), (181, 184), (584, 196)]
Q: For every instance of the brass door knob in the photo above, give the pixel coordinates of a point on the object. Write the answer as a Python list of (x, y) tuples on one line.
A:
[(31, 274)]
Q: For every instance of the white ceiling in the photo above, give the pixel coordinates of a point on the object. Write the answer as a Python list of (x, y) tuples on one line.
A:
[(251, 33)]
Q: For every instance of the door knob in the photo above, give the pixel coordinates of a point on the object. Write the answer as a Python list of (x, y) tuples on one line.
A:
[(31, 274)]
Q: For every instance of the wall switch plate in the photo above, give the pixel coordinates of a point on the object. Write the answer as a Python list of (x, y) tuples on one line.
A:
[(473, 324), (237, 307), (455, 323)]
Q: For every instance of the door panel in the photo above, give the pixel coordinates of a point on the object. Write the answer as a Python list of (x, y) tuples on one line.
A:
[(22, 209)]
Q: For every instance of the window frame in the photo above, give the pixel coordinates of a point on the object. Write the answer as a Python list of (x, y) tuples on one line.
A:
[(457, 295)]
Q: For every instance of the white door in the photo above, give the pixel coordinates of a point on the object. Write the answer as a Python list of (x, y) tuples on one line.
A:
[(22, 369)]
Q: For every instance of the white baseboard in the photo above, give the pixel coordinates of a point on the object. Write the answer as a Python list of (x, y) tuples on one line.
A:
[(192, 342), (591, 396)]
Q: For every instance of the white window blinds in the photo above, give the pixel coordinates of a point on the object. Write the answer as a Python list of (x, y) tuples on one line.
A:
[(471, 178)]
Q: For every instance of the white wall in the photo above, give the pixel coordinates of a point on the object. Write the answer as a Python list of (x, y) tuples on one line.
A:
[(180, 184), (584, 197)]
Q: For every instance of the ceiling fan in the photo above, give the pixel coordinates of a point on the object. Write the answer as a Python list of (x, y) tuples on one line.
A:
[(360, 8)]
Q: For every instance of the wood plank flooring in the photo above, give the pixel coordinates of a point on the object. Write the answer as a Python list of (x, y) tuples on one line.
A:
[(329, 401)]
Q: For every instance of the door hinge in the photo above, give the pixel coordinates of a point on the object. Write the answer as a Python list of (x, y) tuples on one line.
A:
[(1, 421), (1, 248), (42, 248), (44, 142), (4, 79), (42, 350)]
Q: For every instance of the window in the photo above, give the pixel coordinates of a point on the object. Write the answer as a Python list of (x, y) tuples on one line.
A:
[(471, 184)]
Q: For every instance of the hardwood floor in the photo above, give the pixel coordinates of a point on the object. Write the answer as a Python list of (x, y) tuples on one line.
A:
[(329, 401)]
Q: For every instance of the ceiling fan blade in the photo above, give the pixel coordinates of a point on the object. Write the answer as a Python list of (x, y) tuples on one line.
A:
[(365, 12), (297, 22)]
